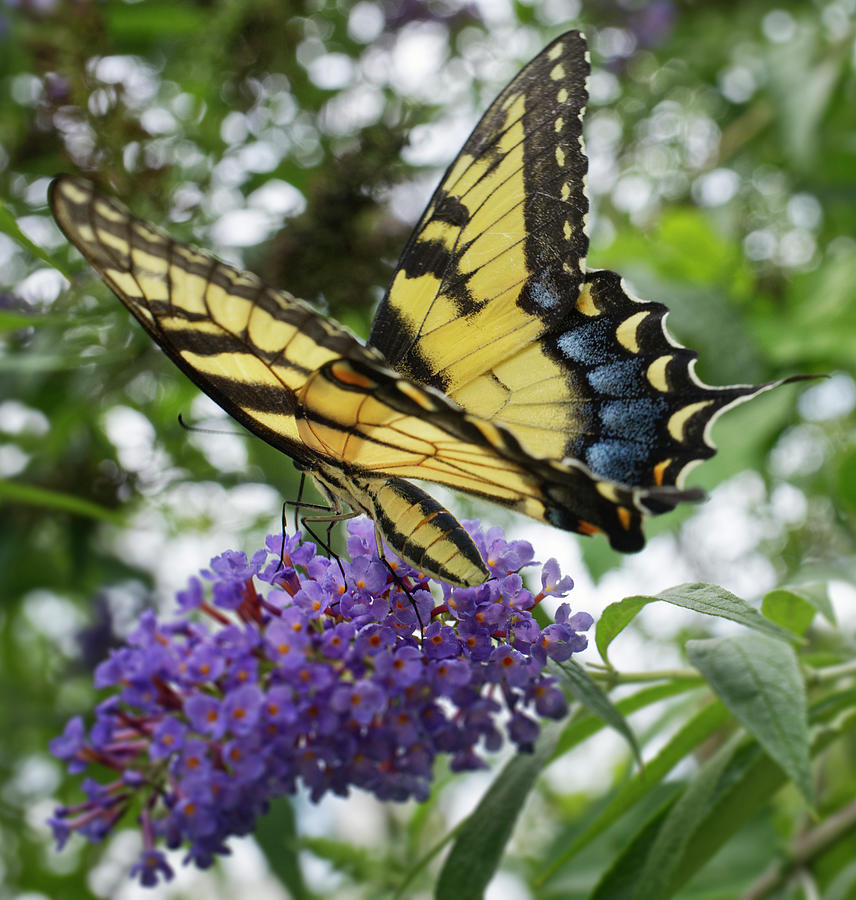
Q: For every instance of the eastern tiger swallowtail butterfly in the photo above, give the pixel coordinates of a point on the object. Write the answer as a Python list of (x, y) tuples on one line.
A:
[(498, 363)]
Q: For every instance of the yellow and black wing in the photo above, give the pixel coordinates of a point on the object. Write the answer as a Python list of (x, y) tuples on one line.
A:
[(493, 305), (248, 346), (293, 377), (498, 364), (308, 387)]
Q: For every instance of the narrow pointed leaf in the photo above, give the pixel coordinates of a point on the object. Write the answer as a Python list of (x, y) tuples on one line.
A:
[(31, 495), (592, 697), (747, 785), (11, 320), (10, 226), (620, 879), (713, 600), (276, 835), (481, 840), (709, 599), (581, 729), (681, 823), (697, 730)]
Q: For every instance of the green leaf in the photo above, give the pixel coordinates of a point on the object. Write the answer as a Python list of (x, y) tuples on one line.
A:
[(816, 593), (843, 885), (697, 730), (344, 857), (758, 679), (747, 785), (744, 787), (718, 820), (620, 880), (276, 835), (481, 840), (713, 600), (709, 599), (17, 492), (680, 824), (789, 609), (9, 226), (12, 321), (592, 697), (614, 619)]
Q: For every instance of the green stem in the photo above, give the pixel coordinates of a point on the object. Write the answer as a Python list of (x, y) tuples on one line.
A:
[(612, 677), (831, 673)]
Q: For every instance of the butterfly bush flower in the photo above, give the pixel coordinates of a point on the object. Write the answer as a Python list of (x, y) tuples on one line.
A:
[(299, 672)]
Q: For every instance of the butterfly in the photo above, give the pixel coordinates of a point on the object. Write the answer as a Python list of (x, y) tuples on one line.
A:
[(498, 364)]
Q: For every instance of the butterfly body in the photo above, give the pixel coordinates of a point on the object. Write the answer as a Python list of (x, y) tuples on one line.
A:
[(498, 364)]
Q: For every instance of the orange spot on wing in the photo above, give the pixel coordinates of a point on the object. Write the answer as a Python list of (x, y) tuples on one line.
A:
[(660, 471), (344, 372)]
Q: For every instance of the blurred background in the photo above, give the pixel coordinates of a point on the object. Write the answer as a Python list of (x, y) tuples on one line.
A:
[(303, 139)]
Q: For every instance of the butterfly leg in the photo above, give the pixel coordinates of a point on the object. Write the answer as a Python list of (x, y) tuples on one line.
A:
[(335, 514), (397, 578)]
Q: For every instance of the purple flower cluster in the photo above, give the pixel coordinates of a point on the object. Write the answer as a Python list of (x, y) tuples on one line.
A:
[(336, 676)]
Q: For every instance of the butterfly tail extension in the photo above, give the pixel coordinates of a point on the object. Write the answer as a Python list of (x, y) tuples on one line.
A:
[(647, 417), (575, 499)]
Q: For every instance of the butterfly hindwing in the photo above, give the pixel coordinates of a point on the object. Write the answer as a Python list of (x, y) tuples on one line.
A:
[(643, 417), (383, 423)]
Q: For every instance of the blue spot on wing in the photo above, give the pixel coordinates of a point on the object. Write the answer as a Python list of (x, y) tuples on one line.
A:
[(543, 294), (590, 343), (617, 379), (617, 460), (628, 434), (634, 420)]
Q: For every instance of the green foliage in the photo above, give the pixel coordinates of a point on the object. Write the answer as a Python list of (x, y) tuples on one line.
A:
[(723, 186)]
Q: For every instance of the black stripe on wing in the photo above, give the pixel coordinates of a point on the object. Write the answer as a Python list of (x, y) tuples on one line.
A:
[(548, 181)]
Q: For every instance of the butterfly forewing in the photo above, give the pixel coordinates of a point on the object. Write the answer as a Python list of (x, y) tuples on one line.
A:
[(248, 346), (496, 256)]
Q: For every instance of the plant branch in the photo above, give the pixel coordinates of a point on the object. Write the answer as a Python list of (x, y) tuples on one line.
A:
[(804, 849)]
